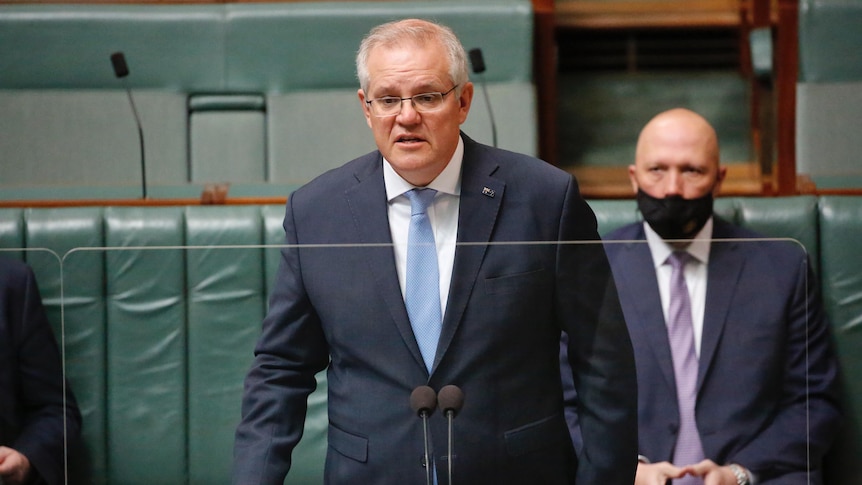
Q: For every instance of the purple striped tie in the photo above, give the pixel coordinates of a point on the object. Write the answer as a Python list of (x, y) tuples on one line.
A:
[(688, 448)]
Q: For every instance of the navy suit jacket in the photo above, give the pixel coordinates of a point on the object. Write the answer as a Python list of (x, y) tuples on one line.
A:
[(342, 307), (767, 372), (31, 379)]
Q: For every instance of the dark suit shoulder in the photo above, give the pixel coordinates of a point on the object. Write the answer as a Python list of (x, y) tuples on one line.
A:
[(779, 250), (632, 231), (723, 229), (511, 163), (339, 179), (13, 274), (782, 253)]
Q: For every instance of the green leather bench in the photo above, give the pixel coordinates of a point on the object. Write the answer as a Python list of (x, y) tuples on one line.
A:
[(259, 95), (157, 338)]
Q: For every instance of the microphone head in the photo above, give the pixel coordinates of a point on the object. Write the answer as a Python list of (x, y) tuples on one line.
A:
[(118, 60), (476, 60), (423, 400), (451, 399)]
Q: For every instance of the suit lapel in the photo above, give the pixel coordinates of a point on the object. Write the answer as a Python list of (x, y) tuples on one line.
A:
[(725, 267), (369, 211), (634, 266), (481, 197)]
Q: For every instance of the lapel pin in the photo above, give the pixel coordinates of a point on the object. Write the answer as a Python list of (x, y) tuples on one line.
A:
[(488, 192)]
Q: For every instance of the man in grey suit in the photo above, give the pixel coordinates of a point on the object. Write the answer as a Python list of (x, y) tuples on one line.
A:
[(495, 313), (753, 375)]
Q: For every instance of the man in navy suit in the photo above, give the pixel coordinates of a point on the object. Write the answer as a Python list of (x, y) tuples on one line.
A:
[(502, 302), (764, 375), (32, 426)]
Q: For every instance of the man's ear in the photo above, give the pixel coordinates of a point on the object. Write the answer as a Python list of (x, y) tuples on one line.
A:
[(465, 101), (722, 174), (366, 110), (633, 178)]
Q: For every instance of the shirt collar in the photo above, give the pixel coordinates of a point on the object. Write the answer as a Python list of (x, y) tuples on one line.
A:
[(448, 182), (698, 249)]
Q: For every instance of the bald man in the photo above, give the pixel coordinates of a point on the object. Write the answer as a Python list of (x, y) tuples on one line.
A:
[(736, 380)]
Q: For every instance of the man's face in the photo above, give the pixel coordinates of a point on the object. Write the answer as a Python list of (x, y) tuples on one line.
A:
[(417, 145), (677, 157)]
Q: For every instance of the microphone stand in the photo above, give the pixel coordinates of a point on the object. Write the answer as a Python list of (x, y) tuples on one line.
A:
[(450, 415), (141, 138), (490, 111), (121, 70), (478, 63), (428, 480), (423, 400), (450, 399)]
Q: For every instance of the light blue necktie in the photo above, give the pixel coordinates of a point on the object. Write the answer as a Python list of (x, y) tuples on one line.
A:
[(422, 296), (688, 448)]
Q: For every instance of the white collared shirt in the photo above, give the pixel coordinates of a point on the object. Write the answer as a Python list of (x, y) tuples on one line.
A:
[(443, 215), (695, 273)]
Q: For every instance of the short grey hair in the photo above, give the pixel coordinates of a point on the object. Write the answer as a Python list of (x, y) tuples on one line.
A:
[(417, 32)]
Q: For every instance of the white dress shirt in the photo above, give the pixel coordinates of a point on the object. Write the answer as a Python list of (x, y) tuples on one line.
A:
[(695, 273), (443, 215)]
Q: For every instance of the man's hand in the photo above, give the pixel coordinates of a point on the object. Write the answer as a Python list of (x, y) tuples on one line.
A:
[(658, 473), (712, 473), (14, 467)]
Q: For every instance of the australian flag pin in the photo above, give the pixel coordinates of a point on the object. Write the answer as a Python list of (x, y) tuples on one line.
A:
[(488, 192)]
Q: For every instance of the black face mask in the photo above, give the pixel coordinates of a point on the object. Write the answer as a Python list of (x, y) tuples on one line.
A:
[(674, 217)]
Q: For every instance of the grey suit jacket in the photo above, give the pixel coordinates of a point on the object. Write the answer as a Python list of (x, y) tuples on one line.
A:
[(341, 308)]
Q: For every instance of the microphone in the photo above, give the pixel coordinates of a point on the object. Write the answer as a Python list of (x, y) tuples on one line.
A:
[(121, 70), (451, 400), (423, 400), (118, 60), (478, 63)]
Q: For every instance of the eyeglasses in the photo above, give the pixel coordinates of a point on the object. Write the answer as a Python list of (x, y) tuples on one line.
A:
[(391, 105)]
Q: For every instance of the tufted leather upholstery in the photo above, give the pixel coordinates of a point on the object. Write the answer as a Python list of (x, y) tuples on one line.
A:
[(157, 338)]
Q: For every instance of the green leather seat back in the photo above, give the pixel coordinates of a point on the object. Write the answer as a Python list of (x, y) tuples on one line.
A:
[(783, 217), (72, 286), (316, 43), (829, 92), (171, 47), (611, 214), (77, 294), (841, 262), (788, 217), (226, 304), (147, 343), (827, 28), (12, 232)]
